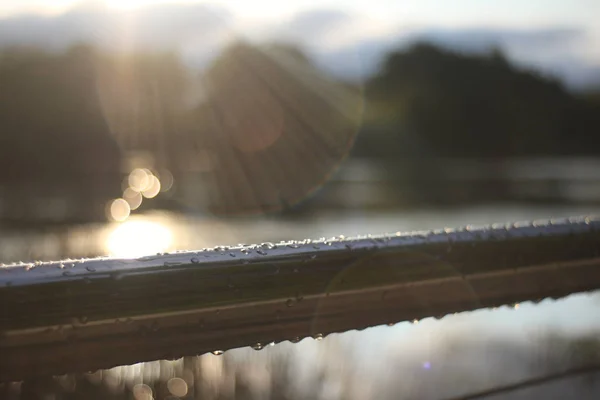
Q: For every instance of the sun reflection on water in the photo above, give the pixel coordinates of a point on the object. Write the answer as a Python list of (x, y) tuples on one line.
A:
[(136, 238)]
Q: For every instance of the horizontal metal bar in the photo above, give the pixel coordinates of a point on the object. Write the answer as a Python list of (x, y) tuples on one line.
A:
[(83, 315)]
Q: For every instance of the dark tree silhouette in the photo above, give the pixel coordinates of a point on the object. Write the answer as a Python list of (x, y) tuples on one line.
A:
[(462, 105)]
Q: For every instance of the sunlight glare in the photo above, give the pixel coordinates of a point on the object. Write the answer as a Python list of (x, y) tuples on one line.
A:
[(129, 4), (138, 238)]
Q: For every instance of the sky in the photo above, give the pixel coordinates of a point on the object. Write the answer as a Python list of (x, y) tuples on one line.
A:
[(349, 37)]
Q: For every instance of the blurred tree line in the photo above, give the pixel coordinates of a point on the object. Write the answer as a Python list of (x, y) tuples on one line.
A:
[(68, 119), (441, 103)]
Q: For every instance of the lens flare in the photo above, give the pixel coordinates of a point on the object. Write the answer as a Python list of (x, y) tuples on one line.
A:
[(260, 130), (152, 189), (139, 179), (118, 210), (133, 198)]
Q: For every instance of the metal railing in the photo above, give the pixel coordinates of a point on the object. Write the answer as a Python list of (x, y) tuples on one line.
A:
[(84, 315)]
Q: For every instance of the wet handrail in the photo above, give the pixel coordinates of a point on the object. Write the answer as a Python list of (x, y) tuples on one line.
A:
[(84, 315)]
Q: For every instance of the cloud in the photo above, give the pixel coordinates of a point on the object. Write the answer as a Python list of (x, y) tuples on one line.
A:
[(319, 29), (349, 45), (157, 26), (317, 23), (479, 39), (166, 25), (554, 51)]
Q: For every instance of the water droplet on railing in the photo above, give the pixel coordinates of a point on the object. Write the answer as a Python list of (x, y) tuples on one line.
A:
[(415, 322), (171, 263), (257, 346), (194, 260), (318, 336), (90, 268), (295, 340), (217, 352), (289, 303), (261, 252), (116, 276), (232, 254), (67, 273), (268, 246)]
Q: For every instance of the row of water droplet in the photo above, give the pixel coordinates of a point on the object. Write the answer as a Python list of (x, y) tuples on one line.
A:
[(259, 346)]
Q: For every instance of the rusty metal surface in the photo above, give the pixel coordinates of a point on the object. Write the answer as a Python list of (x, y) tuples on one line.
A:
[(83, 315)]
